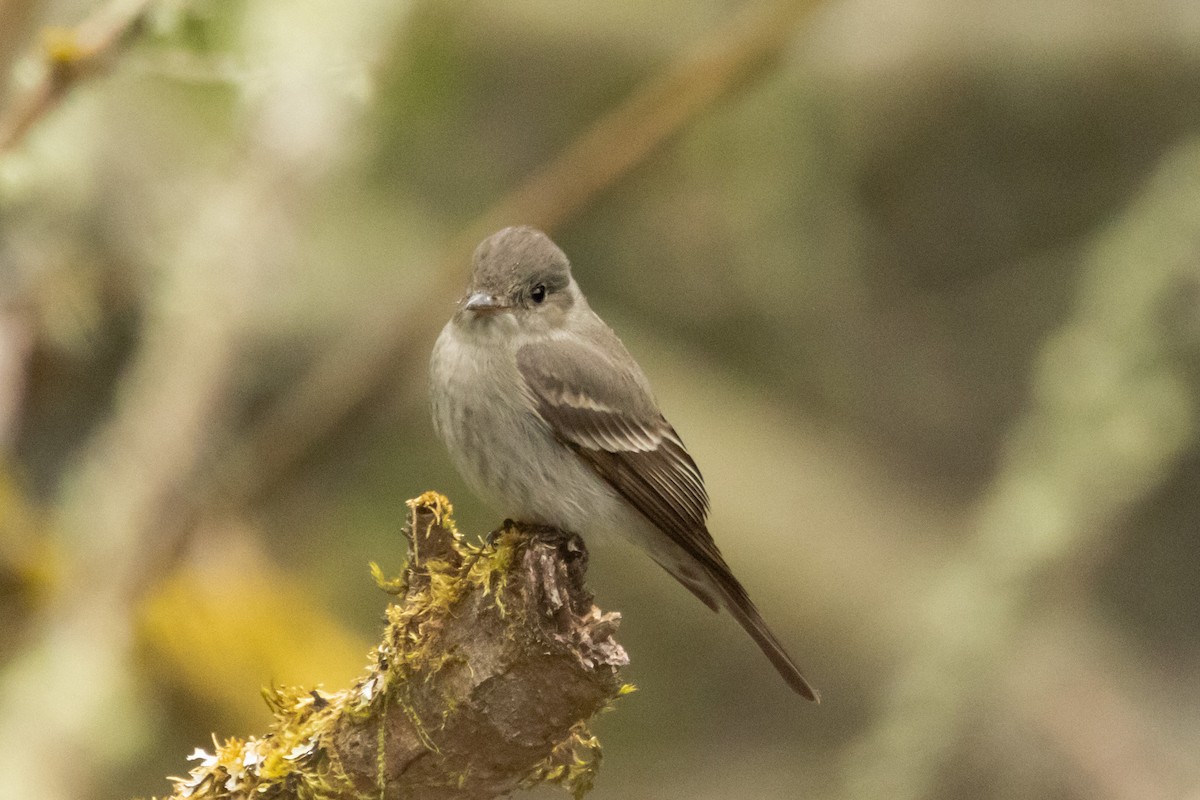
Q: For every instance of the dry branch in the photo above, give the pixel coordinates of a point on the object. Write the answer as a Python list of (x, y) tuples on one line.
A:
[(68, 56), (489, 669)]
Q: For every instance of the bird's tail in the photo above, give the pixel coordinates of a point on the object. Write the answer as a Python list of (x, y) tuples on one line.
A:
[(735, 599), (713, 583)]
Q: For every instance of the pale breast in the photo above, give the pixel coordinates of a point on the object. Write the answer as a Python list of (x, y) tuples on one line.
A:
[(502, 448)]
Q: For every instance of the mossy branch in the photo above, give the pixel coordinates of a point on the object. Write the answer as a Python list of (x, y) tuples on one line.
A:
[(492, 663)]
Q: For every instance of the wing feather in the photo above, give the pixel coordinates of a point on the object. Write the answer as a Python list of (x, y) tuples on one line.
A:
[(605, 413)]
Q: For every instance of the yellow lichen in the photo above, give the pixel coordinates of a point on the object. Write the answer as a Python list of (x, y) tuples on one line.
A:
[(62, 46), (572, 764), (441, 508), (393, 586)]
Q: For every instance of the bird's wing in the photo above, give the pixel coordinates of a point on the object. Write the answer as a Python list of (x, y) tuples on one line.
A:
[(597, 402)]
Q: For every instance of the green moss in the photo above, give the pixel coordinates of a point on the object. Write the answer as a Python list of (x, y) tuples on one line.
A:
[(393, 586), (572, 764), (492, 563)]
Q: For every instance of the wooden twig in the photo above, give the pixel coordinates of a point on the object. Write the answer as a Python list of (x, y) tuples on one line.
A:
[(488, 672), (69, 56), (16, 16)]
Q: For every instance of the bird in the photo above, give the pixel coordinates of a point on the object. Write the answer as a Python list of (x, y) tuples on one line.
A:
[(550, 421)]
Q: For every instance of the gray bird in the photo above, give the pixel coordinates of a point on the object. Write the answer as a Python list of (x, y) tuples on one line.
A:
[(551, 421)]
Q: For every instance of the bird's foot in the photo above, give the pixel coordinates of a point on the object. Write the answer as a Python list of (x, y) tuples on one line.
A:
[(505, 527), (570, 545)]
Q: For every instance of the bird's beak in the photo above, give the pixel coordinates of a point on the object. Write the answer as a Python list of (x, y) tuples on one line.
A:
[(483, 303)]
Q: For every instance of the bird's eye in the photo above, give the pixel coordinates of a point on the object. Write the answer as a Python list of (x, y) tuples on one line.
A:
[(538, 293)]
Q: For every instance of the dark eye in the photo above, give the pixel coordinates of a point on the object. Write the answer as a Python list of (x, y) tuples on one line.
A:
[(538, 293)]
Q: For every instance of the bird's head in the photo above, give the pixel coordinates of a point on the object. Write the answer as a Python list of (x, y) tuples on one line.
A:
[(518, 273)]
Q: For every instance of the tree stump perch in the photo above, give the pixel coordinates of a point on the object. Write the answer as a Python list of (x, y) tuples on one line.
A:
[(492, 663)]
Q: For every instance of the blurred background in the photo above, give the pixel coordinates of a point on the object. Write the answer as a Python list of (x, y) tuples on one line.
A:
[(918, 281)]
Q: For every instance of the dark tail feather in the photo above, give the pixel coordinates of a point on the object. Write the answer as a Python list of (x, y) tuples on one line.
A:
[(715, 586), (743, 610)]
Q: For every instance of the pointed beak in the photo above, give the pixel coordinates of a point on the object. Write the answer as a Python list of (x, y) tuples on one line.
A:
[(483, 303)]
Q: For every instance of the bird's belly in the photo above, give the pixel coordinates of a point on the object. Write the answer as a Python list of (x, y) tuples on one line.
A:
[(508, 456)]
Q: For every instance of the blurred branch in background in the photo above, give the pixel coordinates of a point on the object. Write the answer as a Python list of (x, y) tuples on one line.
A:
[(66, 57), (138, 487), (125, 510), (1120, 743), (1114, 408), (15, 18), (16, 342), (493, 662)]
